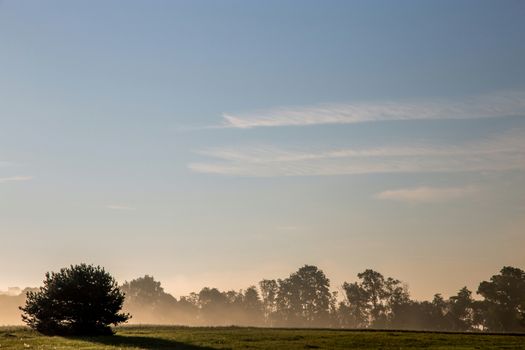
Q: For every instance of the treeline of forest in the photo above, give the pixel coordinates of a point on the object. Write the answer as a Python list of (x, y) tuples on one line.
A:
[(305, 299)]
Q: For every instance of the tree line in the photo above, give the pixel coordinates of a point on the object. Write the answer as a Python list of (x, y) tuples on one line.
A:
[(304, 299)]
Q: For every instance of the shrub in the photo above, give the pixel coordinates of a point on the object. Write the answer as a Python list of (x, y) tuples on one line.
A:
[(79, 300)]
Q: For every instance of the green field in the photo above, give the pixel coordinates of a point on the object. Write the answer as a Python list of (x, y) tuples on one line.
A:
[(150, 338)]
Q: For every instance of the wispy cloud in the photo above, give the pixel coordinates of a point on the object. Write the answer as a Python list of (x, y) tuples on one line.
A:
[(288, 228), (485, 106), (119, 207), (504, 152), (426, 194), (15, 179)]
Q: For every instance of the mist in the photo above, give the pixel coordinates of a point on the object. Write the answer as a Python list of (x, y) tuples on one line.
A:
[(306, 299)]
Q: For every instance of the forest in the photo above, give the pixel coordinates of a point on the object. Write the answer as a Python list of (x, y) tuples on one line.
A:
[(305, 299)]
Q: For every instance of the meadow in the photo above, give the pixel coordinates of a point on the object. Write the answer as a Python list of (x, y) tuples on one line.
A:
[(194, 338)]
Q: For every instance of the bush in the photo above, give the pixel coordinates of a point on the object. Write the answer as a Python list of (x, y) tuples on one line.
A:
[(79, 300)]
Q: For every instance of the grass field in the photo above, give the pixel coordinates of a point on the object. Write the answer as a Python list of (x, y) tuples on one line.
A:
[(149, 338)]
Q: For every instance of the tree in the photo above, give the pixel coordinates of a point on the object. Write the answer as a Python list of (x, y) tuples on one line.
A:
[(252, 306), (213, 306), (147, 301), (143, 290), (374, 302), (304, 298), (354, 311), (504, 304), (269, 289), (397, 301), (439, 309), (79, 300), (461, 310), (373, 284)]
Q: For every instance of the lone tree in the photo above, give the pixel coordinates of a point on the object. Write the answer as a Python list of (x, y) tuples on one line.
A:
[(79, 300)]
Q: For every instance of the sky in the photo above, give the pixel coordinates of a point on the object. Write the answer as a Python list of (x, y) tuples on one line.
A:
[(217, 143)]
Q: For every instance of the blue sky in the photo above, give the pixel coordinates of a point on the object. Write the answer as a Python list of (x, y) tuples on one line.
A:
[(219, 143)]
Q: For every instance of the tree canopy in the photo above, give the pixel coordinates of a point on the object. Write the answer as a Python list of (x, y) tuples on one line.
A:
[(504, 303), (79, 300)]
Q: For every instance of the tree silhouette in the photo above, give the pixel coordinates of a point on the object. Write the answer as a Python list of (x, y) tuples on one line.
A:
[(143, 289), (213, 305), (269, 289), (252, 306), (376, 301), (147, 301), (79, 300), (354, 311), (504, 305), (304, 298), (461, 311)]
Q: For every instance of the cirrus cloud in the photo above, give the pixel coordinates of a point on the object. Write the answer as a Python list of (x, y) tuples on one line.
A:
[(15, 179), (426, 194), (119, 207), (500, 153), (501, 104)]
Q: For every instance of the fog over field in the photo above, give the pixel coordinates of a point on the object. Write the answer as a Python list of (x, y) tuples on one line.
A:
[(306, 298)]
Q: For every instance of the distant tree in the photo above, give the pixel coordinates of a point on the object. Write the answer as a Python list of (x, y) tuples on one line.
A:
[(437, 313), (289, 309), (333, 320), (147, 301), (373, 285), (354, 312), (461, 312), (504, 304), (188, 310), (397, 302), (213, 306), (252, 306), (304, 298), (269, 290), (143, 290), (79, 300), (478, 315), (375, 301), (421, 315)]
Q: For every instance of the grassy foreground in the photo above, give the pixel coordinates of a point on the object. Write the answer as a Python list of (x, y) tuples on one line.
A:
[(149, 338)]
